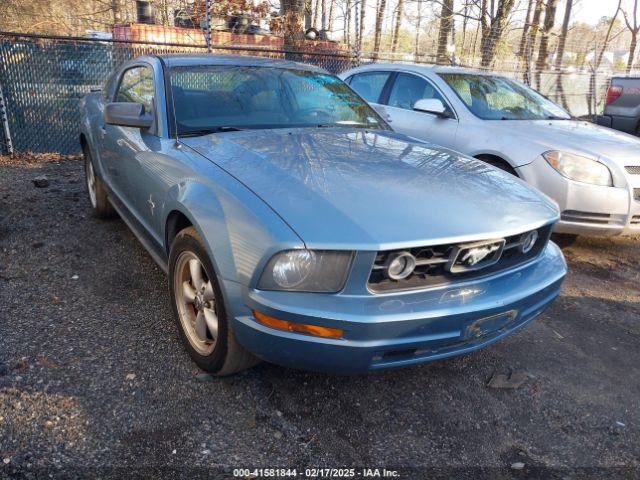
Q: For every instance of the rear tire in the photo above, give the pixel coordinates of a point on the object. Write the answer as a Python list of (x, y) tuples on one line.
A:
[(95, 188), (564, 240), (198, 308)]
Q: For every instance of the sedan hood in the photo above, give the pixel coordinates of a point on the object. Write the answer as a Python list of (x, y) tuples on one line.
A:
[(575, 136), (357, 189)]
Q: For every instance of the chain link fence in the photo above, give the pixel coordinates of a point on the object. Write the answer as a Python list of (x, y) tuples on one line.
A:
[(44, 78)]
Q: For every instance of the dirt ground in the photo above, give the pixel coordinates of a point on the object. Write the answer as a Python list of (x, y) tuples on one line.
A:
[(94, 381)]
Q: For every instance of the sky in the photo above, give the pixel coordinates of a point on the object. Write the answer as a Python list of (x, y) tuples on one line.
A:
[(590, 11), (587, 11)]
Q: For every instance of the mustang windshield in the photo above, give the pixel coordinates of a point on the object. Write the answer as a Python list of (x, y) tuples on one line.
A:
[(217, 98), (498, 98)]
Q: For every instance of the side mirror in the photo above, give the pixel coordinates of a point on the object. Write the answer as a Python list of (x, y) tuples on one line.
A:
[(127, 114), (431, 105)]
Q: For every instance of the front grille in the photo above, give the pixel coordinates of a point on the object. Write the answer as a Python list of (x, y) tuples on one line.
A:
[(635, 220), (633, 169), (585, 217), (433, 263)]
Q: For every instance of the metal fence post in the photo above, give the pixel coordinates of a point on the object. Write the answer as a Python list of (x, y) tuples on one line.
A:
[(207, 19), (5, 124)]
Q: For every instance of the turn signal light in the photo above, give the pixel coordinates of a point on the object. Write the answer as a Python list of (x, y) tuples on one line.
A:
[(304, 328)]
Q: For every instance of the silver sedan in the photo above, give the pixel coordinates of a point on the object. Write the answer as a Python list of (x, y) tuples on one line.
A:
[(592, 172)]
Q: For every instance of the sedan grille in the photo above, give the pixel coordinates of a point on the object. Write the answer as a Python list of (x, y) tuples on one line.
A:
[(633, 170), (443, 264), (585, 217)]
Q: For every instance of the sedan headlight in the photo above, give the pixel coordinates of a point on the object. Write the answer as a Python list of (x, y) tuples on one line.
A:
[(580, 169), (306, 271)]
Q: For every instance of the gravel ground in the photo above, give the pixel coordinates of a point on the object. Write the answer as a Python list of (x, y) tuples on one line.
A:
[(94, 381)]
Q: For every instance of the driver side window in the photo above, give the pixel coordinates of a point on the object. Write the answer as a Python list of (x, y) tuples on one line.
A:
[(408, 89), (137, 86)]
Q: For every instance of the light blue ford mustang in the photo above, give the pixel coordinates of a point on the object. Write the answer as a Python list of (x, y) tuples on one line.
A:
[(296, 227)]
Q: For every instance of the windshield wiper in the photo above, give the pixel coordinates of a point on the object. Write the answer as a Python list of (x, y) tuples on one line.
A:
[(207, 131), (344, 124), (555, 117)]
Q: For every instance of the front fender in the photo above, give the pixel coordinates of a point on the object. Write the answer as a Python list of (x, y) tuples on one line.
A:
[(239, 230), (516, 149), (90, 121)]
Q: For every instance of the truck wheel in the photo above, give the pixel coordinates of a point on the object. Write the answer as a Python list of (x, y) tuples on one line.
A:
[(564, 240), (96, 189), (198, 308)]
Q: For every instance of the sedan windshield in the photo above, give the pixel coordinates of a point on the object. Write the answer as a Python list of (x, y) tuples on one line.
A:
[(218, 98), (498, 98)]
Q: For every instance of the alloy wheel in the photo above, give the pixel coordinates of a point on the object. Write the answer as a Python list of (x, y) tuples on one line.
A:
[(196, 303), (91, 182)]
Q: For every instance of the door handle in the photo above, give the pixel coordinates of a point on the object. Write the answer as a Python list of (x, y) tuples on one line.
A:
[(103, 130)]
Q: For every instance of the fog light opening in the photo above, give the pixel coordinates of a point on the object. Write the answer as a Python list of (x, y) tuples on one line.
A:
[(400, 265), (307, 329), (529, 239)]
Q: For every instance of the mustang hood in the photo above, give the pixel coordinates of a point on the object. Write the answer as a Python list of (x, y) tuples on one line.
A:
[(351, 188)]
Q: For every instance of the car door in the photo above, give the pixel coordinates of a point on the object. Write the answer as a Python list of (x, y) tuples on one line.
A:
[(371, 86), (405, 91), (125, 147)]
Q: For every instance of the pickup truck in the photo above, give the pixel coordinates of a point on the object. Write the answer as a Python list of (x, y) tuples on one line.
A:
[(622, 105)]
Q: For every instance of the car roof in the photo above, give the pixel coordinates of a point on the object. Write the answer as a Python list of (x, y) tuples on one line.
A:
[(185, 60), (422, 67)]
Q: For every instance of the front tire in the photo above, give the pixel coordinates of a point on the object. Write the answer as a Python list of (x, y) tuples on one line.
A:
[(95, 188), (198, 309)]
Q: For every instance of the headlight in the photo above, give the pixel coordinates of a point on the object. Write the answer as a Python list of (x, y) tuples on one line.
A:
[(306, 271), (580, 169)]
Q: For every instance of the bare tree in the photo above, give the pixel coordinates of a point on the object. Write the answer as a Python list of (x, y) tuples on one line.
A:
[(525, 29), (396, 30), (560, 52), (308, 12), (294, 13), (547, 26), (363, 7), (591, 95), (418, 25), (378, 29), (492, 24), (330, 27), (446, 15), (531, 42), (316, 13), (633, 28)]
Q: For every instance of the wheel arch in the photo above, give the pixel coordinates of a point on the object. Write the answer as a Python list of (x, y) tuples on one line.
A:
[(497, 161), (175, 222), (239, 230)]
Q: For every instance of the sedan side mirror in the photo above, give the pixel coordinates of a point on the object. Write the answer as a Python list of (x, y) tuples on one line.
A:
[(127, 114), (431, 105)]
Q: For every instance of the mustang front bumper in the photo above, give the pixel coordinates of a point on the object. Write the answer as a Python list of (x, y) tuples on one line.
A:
[(397, 329), (588, 209)]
